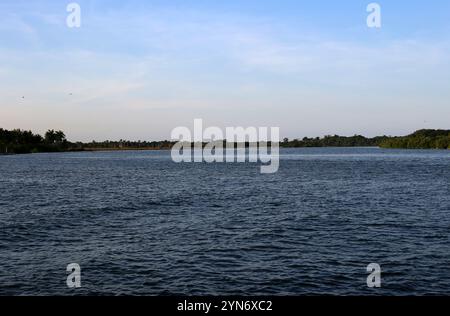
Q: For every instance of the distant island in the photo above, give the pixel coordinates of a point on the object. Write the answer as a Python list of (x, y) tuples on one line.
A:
[(23, 142)]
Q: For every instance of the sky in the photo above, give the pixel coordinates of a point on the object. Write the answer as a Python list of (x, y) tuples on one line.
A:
[(138, 69)]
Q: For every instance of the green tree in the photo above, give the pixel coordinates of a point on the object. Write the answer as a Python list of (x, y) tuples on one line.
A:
[(55, 137)]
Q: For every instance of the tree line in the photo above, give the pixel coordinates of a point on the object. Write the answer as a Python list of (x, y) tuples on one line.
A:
[(422, 139), (21, 142), (334, 141)]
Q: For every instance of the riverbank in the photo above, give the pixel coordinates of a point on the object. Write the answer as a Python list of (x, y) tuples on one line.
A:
[(24, 142)]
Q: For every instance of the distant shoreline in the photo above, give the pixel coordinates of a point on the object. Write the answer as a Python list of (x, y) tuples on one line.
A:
[(25, 142)]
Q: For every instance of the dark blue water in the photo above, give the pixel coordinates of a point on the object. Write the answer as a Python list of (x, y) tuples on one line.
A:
[(138, 223)]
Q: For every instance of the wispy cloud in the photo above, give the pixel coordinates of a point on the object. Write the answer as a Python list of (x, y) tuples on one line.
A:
[(14, 22)]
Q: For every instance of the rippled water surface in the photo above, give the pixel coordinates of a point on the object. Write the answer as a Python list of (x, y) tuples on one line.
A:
[(138, 223)]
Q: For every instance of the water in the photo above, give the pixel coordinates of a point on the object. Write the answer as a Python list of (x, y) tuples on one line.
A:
[(138, 223)]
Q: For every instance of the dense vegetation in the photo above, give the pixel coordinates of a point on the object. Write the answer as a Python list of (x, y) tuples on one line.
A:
[(23, 142), (422, 139), (334, 141), (20, 142)]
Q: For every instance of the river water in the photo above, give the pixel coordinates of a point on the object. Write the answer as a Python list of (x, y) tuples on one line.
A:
[(139, 224)]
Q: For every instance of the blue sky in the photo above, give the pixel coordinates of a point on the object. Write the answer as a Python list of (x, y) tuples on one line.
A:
[(138, 69)]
